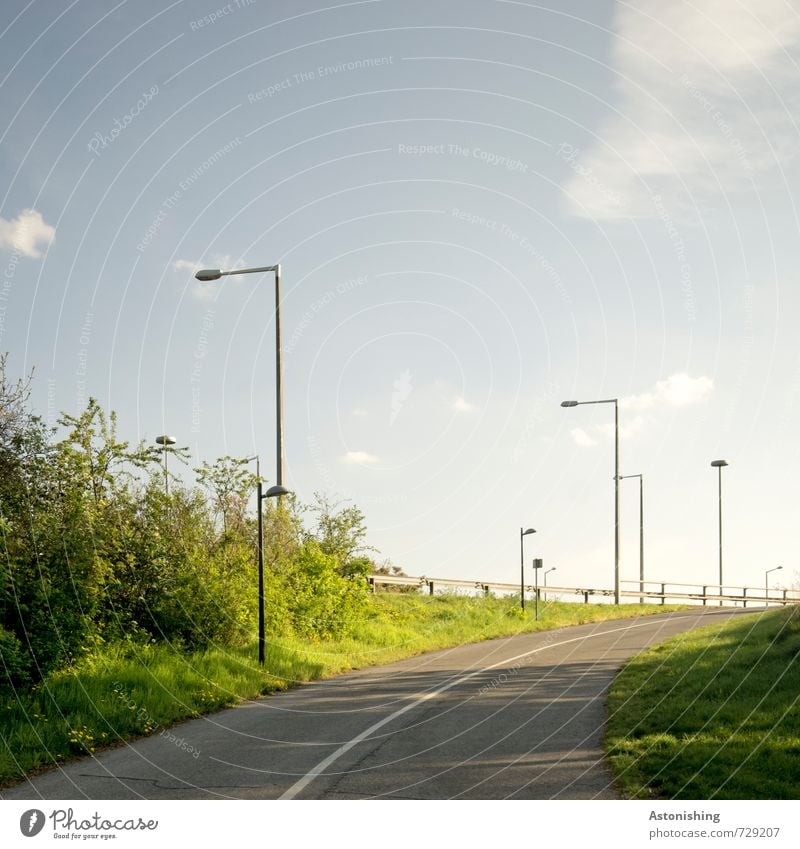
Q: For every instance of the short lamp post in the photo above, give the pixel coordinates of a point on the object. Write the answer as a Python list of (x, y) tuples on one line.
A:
[(522, 533), (272, 492), (164, 441), (544, 576), (766, 582)]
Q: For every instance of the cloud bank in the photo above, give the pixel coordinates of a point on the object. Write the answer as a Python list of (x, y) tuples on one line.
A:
[(678, 390), (706, 97)]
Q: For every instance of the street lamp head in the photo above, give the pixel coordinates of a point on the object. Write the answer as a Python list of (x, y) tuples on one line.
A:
[(166, 439), (569, 403), (207, 274), (274, 491), (529, 531), (717, 464)]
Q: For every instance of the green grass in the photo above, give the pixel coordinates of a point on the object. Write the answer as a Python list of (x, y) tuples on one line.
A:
[(122, 692), (712, 714)]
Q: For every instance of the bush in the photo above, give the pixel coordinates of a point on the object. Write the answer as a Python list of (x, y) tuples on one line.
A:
[(324, 604), (14, 663)]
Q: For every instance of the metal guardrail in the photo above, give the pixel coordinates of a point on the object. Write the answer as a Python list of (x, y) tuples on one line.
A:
[(684, 593)]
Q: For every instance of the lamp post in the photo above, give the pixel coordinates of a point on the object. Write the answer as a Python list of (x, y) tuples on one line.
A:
[(164, 440), (718, 464), (537, 565), (522, 533), (209, 274), (615, 402), (641, 532), (272, 492), (766, 582), (551, 569)]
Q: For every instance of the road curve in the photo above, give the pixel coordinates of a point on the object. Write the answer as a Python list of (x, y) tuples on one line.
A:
[(515, 718)]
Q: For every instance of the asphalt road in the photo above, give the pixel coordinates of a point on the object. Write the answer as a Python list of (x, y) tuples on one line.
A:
[(517, 718)]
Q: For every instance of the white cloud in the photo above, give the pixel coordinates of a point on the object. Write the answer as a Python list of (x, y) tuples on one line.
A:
[(582, 438), (460, 405), (207, 291), (705, 101), (224, 261), (627, 428), (26, 233), (402, 388), (676, 391), (187, 265), (359, 458)]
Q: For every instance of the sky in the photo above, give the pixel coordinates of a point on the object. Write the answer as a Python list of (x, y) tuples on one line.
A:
[(480, 209)]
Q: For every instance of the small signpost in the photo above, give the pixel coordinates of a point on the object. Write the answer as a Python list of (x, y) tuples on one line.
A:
[(538, 563)]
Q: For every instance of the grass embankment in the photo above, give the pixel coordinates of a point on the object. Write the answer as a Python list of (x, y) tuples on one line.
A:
[(712, 714), (125, 691)]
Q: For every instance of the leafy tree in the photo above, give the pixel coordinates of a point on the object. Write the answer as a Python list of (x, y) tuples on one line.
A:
[(94, 549), (93, 455), (341, 531), (231, 484)]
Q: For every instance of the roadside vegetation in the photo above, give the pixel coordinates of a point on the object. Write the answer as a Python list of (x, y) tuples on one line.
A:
[(127, 600), (711, 714), (125, 690)]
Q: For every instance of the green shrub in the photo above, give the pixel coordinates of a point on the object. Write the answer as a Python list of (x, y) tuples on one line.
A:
[(324, 604), (14, 664)]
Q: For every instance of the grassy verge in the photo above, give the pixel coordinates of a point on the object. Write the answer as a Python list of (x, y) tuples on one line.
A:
[(125, 691), (712, 714)]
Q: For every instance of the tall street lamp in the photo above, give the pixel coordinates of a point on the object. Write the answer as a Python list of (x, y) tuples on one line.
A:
[(522, 533), (164, 440), (209, 274), (641, 532), (551, 569), (615, 402), (718, 464), (766, 582)]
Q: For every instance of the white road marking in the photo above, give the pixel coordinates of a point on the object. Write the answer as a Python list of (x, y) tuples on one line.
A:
[(419, 698)]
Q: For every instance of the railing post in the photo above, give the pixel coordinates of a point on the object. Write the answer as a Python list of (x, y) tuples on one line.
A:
[(705, 592), (744, 596), (585, 596), (663, 593), (486, 590), (371, 585), (430, 587), (784, 596)]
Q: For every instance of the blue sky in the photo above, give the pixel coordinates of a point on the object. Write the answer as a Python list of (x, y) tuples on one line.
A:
[(480, 208)]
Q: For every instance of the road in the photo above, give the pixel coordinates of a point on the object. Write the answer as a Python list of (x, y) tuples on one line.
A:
[(516, 718)]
